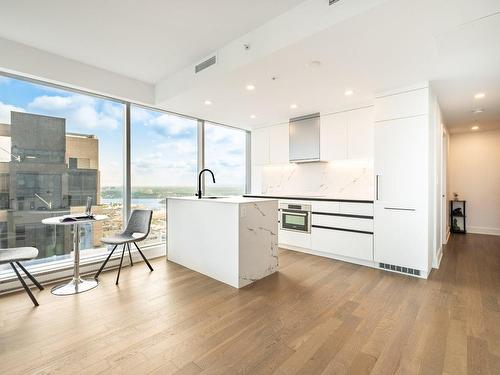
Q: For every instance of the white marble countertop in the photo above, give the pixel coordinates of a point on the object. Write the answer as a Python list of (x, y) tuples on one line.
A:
[(233, 200)]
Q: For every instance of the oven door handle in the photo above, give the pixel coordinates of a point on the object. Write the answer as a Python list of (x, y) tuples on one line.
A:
[(295, 213)]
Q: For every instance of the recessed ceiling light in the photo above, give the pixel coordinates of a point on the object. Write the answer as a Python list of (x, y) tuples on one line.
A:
[(348, 92), (207, 102), (479, 110), (314, 64), (475, 127), (253, 116), (250, 87), (293, 106), (479, 95)]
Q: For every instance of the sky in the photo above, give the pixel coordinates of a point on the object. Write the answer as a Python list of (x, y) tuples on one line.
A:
[(164, 146)]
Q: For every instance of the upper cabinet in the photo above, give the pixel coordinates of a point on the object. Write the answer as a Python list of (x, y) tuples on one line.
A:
[(260, 146), (347, 135), (343, 135), (360, 134), (413, 102), (333, 137), (278, 144)]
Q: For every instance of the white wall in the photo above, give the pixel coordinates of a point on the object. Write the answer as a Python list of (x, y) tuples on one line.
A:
[(474, 172)]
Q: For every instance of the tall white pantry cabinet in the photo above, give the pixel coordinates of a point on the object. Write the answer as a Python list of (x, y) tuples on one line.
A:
[(403, 154)]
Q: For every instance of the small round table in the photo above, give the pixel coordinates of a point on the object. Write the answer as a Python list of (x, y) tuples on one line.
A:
[(77, 284)]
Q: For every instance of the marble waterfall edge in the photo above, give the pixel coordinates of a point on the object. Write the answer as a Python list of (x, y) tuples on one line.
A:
[(258, 242)]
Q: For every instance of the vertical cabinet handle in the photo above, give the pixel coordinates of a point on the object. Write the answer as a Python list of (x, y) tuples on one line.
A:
[(376, 187)]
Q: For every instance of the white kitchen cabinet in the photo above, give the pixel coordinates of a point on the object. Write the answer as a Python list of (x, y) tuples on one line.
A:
[(410, 103), (260, 146), (360, 133), (345, 222), (295, 239), (400, 237), (401, 167), (278, 144), (401, 162), (343, 243), (333, 136)]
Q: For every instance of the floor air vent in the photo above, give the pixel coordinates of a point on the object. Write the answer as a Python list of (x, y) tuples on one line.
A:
[(331, 2), (205, 64), (392, 267)]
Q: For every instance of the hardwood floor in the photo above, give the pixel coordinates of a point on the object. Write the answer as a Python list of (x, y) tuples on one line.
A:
[(316, 316)]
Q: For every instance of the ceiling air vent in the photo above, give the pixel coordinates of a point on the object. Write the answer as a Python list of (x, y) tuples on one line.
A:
[(392, 267), (205, 64), (333, 1)]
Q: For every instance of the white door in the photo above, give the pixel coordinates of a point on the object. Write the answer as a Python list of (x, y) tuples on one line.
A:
[(400, 214), (333, 137), (278, 144), (260, 146)]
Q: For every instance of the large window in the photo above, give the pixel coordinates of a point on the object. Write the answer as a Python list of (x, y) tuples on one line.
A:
[(225, 155), (164, 163), (57, 148)]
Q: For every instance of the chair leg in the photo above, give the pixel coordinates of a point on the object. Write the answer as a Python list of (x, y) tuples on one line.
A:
[(143, 257), (33, 299), (121, 262), (38, 285), (104, 264), (130, 255)]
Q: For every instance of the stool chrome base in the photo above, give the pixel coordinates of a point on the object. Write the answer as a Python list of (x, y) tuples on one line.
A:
[(75, 286)]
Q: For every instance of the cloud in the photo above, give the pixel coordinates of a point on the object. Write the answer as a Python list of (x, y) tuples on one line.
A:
[(82, 113), (168, 125), (5, 110), (153, 170)]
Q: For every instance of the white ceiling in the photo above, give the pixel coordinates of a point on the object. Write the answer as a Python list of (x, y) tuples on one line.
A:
[(455, 46), (146, 40), (453, 43)]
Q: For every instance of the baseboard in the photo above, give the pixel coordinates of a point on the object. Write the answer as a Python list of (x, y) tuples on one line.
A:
[(360, 262), (436, 262), (484, 230)]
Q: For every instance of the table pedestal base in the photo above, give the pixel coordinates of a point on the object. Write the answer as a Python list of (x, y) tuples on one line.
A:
[(76, 285)]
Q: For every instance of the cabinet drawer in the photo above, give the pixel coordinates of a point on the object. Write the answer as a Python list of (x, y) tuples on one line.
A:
[(350, 208), (329, 207), (287, 237), (349, 244), (354, 223)]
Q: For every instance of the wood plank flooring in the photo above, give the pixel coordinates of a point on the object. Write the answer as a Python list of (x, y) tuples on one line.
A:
[(316, 316)]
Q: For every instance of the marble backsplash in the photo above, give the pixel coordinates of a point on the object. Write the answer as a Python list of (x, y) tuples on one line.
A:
[(350, 179)]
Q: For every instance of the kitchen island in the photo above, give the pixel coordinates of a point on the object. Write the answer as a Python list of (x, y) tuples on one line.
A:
[(231, 239)]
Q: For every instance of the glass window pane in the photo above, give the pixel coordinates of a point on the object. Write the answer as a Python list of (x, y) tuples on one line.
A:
[(57, 147), (164, 163), (225, 155)]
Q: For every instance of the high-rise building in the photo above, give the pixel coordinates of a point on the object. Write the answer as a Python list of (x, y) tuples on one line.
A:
[(44, 172)]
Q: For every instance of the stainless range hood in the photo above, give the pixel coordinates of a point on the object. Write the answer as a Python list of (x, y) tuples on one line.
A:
[(304, 133)]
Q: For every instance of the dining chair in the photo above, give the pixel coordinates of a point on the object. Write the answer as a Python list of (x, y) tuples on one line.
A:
[(137, 229), (14, 256)]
